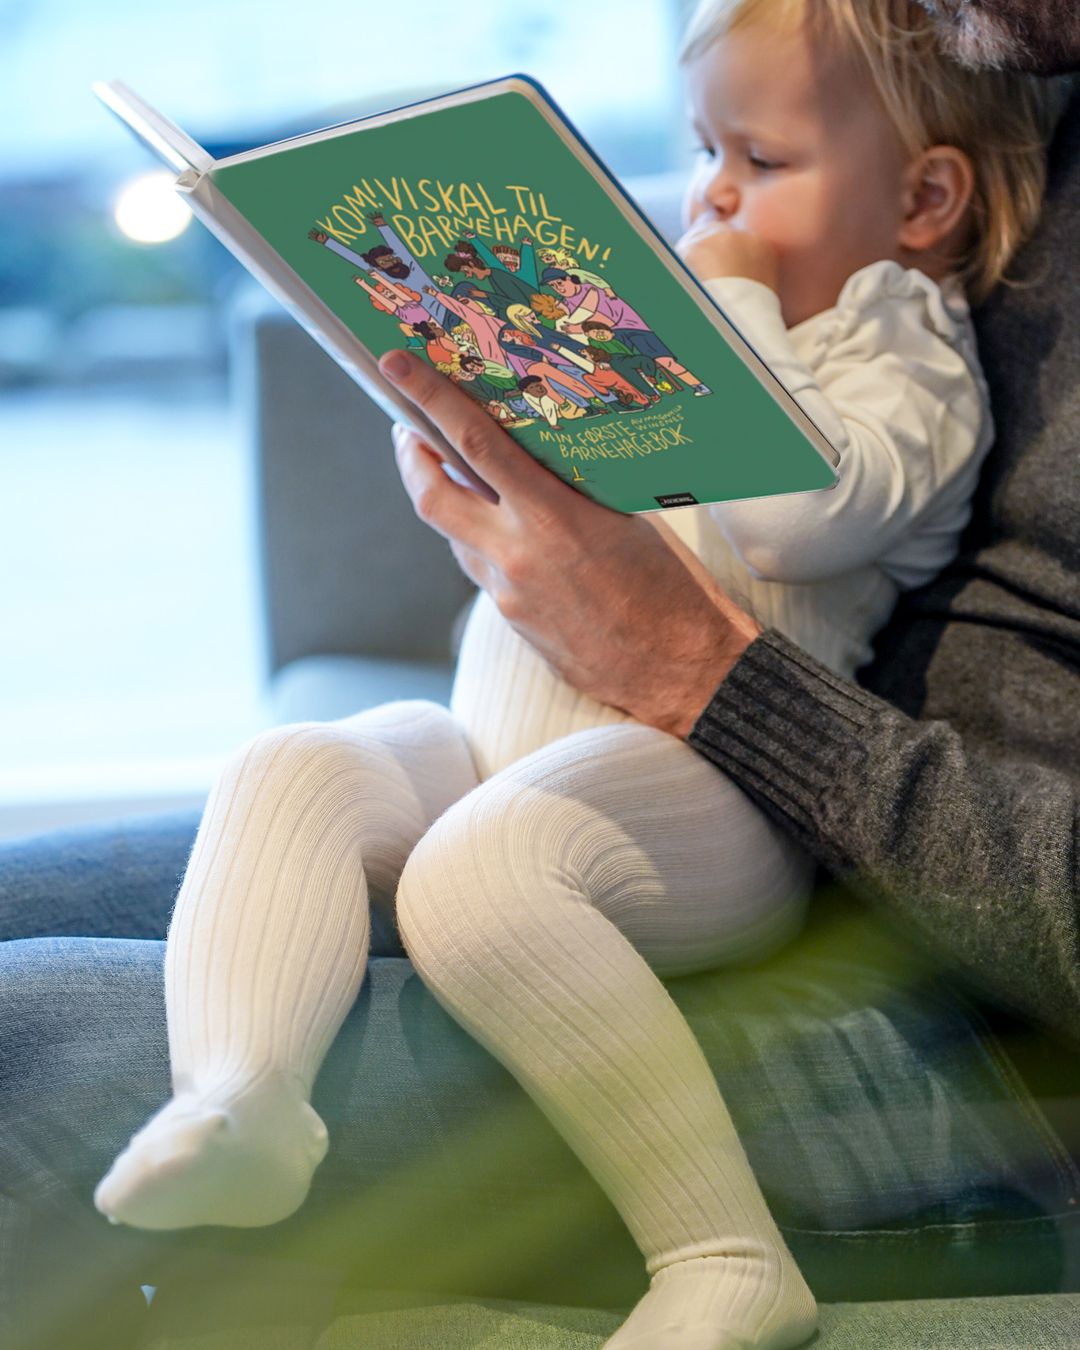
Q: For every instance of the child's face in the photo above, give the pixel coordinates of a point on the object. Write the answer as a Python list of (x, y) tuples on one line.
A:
[(798, 152)]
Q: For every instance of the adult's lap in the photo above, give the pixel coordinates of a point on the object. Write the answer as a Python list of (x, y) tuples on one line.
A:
[(112, 879)]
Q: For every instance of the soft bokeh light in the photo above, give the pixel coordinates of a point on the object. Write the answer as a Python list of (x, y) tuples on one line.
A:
[(129, 506), (149, 210)]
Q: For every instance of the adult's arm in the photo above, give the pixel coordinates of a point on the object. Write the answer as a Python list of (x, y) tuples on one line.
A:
[(980, 855)]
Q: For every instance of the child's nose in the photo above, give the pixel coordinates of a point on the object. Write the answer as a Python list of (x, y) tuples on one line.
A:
[(722, 194)]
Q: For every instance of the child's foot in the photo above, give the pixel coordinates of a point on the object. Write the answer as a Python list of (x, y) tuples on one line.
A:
[(242, 1161), (721, 1303)]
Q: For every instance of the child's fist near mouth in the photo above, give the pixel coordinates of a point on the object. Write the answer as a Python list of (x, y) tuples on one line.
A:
[(712, 249)]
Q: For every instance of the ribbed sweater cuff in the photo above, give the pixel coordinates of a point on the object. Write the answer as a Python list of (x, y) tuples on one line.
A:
[(789, 732)]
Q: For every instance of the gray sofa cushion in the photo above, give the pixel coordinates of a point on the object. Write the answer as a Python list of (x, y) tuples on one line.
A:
[(1035, 1323), (419, 1322)]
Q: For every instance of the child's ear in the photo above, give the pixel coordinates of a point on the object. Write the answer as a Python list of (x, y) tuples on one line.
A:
[(938, 187)]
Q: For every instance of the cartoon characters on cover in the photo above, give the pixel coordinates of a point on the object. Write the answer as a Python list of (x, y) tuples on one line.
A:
[(531, 336)]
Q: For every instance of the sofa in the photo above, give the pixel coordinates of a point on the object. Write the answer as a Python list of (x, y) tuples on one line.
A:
[(918, 1149), (915, 1152)]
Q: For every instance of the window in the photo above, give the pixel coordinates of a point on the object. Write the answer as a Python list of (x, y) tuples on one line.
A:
[(129, 604)]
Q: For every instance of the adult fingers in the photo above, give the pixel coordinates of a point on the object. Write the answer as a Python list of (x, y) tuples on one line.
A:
[(424, 480), (455, 512), (501, 463)]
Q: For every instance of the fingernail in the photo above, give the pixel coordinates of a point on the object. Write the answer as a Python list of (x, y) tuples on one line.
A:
[(394, 365)]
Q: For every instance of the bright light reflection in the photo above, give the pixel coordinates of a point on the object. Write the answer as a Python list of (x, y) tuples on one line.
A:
[(149, 210)]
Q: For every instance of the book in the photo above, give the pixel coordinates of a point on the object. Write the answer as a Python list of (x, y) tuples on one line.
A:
[(479, 230)]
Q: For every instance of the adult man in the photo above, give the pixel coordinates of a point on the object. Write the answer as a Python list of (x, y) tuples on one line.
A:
[(966, 822)]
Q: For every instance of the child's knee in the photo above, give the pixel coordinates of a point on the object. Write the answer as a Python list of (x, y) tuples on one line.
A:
[(436, 881), (324, 748), (461, 877)]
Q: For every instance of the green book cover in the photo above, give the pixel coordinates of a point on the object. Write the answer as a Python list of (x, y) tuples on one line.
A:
[(475, 236)]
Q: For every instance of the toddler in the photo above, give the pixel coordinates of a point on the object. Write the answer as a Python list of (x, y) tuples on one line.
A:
[(548, 858)]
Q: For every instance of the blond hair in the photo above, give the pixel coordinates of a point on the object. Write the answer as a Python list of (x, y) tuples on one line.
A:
[(1003, 120), (516, 315)]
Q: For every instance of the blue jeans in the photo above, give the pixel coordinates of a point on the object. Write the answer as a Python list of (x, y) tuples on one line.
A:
[(861, 1088)]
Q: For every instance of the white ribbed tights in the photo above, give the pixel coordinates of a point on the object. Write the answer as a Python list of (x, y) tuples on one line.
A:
[(541, 884)]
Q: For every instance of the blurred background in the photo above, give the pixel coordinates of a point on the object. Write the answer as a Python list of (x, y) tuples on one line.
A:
[(132, 651)]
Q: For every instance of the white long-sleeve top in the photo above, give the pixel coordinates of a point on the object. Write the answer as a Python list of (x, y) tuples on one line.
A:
[(891, 375)]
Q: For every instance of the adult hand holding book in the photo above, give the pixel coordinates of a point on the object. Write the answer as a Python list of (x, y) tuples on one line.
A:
[(617, 603)]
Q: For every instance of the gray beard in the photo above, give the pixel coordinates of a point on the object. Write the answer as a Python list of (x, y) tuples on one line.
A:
[(976, 39)]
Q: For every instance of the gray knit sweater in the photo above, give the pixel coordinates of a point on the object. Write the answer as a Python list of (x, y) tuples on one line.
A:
[(966, 822)]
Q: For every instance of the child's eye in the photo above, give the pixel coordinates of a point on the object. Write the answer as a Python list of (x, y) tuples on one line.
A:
[(760, 163), (702, 150)]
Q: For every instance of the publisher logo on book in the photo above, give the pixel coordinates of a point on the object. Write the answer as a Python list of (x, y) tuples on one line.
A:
[(678, 499)]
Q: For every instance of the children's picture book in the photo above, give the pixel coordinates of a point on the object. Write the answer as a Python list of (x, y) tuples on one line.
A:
[(480, 231)]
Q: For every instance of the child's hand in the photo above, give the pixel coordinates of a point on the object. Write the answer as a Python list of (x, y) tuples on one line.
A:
[(712, 249)]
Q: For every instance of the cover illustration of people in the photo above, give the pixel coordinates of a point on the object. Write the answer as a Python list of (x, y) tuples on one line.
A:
[(532, 337), (474, 234)]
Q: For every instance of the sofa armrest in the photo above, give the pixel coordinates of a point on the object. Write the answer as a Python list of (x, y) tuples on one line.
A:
[(344, 564)]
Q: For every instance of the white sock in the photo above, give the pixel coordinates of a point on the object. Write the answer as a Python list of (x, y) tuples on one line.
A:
[(729, 1302), (533, 909), (243, 1159), (266, 952)]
